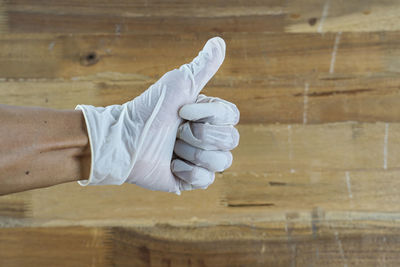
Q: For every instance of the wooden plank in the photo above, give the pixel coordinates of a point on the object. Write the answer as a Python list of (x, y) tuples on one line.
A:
[(121, 16), (229, 245), (264, 74), (220, 245), (250, 57), (3, 18), (68, 246), (233, 198), (351, 191), (140, 8), (21, 22), (258, 212), (369, 99), (303, 189), (276, 169), (340, 16), (14, 207), (327, 147)]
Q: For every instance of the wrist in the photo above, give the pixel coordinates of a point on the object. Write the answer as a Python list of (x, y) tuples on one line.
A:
[(69, 136), (84, 156)]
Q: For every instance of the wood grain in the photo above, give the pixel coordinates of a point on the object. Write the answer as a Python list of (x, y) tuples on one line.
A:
[(284, 148), (333, 191), (253, 58), (252, 246), (315, 177), (121, 16), (264, 74), (337, 16), (67, 246), (3, 17), (166, 245), (276, 167)]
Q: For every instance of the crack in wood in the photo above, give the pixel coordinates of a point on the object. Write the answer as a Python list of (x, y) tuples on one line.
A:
[(337, 78), (236, 205), (330, 93), (277, 183)]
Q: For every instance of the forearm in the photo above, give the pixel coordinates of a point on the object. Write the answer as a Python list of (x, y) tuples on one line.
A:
[(40, 147)]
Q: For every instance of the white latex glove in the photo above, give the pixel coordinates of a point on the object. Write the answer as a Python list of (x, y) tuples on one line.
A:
[(134, 142), (204, 141)]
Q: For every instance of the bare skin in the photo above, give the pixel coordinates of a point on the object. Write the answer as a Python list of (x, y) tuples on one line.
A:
[(41, 147)]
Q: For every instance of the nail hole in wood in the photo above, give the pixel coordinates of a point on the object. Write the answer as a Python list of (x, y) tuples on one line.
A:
[(312, 21), (89, 59)]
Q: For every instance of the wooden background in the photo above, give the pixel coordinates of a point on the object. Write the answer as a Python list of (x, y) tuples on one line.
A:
[(315, 179)]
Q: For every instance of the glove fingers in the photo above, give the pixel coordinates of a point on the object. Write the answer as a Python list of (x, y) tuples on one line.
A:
[(215, 161), (183, 185), (206, 64), (208, 136), (212, 110), (197, 177)]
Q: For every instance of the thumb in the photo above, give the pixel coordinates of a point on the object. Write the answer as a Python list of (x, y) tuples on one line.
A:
[(206, 64)]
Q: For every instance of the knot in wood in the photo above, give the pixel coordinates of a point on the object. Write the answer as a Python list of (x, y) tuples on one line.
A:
[(89, 59)]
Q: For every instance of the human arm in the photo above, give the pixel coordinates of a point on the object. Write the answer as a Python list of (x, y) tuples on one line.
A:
[(41, 147), (130, 143), (134, 142)]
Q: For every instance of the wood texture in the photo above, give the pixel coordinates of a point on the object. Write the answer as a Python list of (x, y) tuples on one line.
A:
[(265, 74), (204, 246), (315, 177), (123, 16), (64, 246)]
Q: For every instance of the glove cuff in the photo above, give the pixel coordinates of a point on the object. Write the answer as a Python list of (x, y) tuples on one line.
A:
[(112, 143), (90, 180)]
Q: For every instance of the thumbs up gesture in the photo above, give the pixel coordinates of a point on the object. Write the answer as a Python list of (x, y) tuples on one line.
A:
[(169, 138)]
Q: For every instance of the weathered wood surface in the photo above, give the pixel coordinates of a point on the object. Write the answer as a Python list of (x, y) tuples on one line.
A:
[(64, 246), (223, 245), (315, 179), (285, 78), (218, 16)]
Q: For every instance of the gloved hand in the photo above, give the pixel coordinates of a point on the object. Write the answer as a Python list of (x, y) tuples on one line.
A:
[(134, 142)]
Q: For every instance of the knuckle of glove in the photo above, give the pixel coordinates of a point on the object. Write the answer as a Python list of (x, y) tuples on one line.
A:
[(197, 177), (201, 177), (231, 113), (236, 113), (209, 137), (235, 137), (211, 181), (211, 160), (216, 161), (228, 111)]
